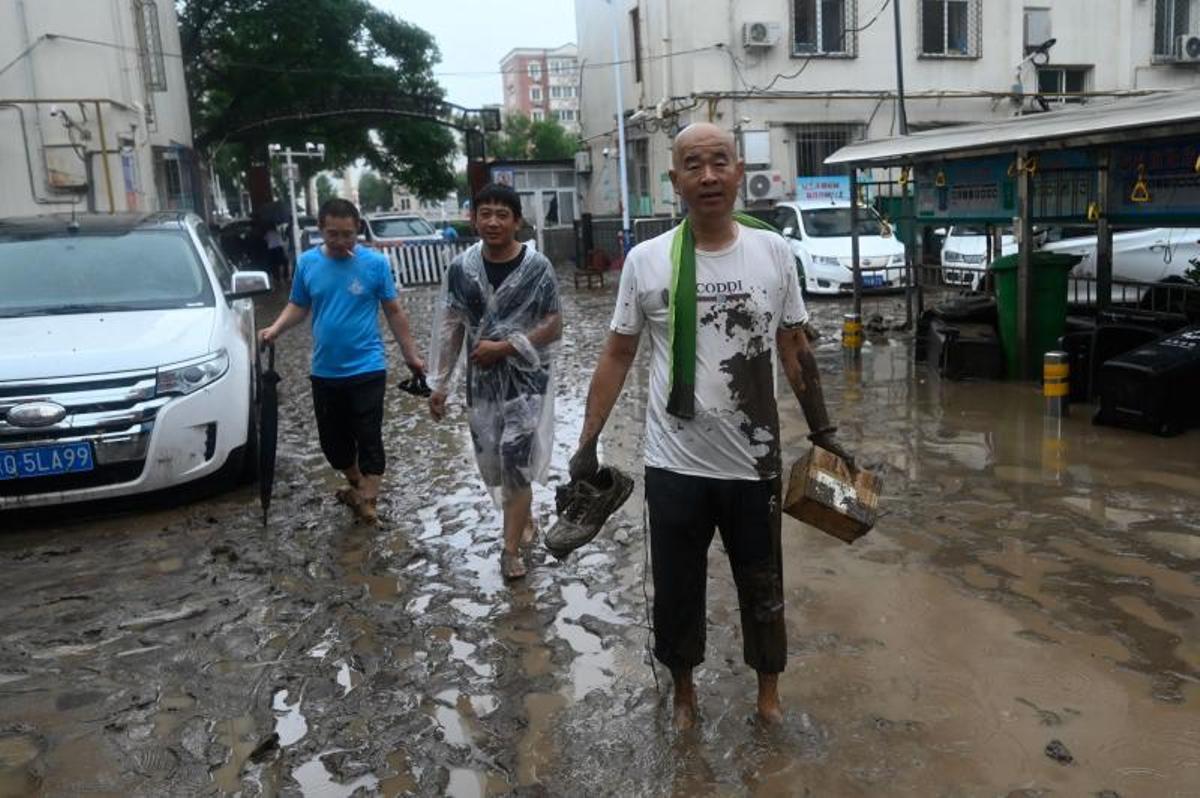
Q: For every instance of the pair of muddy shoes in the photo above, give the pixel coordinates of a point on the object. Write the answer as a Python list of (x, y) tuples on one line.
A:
[(416, 385), (583, 506), (365, 510)]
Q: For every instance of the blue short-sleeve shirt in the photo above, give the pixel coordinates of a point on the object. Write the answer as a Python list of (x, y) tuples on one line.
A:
[(344, 296)]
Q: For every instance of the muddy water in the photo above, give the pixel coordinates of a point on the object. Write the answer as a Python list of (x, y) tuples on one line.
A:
[(1026, 586)]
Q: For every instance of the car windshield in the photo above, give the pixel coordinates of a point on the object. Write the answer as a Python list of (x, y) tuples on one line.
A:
[(959, 231), (399, 228), (835, 223), (141, 270)]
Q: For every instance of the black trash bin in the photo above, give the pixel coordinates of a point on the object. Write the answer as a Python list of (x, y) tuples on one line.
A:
[(1154, 387)]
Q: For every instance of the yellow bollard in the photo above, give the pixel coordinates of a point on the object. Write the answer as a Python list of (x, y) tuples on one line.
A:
[(1056, 386), (852, 335)]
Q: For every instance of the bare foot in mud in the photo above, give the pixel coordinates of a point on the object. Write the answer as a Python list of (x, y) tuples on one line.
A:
[(530, 535), (685, 715), (770, 711)]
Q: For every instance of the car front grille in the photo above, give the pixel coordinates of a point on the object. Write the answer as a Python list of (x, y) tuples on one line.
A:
[(113, 412)]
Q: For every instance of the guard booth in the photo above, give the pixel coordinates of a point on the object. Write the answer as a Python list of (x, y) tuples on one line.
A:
[(1131, 163)]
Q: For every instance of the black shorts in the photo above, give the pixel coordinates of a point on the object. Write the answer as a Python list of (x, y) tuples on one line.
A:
[(685, 511), (350, 420)]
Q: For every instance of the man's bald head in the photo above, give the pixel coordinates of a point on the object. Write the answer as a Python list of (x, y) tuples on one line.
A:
[(706, 171), (701, 134)]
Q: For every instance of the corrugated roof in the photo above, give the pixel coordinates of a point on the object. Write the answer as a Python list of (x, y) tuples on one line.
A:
[(1080, 123)]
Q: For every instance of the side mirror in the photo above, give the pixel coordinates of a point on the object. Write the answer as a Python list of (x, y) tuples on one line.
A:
[(249, 284), (789, 232), (885, 229), (940, 231)]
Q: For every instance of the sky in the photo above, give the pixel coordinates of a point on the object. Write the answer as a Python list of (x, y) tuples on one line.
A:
[(474, 35)]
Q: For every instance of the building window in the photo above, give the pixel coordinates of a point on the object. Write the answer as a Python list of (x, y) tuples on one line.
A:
[(556, 92), (950, 28), (815, 143), (635, 24), (823, 27), (565, 115), (1063, 84), (1037, 28), (150, 49), (539, 115), (405, 204), (535, 70), (1172, 19), (535, 94)]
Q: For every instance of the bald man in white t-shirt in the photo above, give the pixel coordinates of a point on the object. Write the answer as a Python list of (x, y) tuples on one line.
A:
[(716, 463)]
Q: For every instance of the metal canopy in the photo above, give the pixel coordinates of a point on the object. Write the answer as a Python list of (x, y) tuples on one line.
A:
[(1163, 114)]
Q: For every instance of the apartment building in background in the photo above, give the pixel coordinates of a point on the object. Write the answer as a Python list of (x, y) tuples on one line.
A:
[(118, 135), (542, 84), (798, 79)]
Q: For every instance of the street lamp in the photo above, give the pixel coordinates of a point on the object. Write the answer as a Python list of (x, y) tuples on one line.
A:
[(291, 173), (616, 57)]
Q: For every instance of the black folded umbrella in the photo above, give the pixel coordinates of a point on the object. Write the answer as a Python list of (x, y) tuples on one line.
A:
[(268, 430)]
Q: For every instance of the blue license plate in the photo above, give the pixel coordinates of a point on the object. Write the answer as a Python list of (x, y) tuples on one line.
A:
[(44, 461), (872, 280)]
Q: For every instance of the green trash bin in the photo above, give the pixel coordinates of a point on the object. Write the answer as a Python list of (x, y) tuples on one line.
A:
[(1049, 310)]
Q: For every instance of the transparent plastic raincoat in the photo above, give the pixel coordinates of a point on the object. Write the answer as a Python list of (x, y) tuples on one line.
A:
[(511, 403)]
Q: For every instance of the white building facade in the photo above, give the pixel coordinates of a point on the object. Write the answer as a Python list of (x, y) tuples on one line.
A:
[(798, 79), (93, 108), (542, 84)]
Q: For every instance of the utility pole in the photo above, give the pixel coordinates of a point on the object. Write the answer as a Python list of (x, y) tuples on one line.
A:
[(291, 173), (616, 57), (901, 114)]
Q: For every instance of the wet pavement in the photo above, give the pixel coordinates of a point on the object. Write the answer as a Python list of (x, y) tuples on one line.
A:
[(1022, 621)]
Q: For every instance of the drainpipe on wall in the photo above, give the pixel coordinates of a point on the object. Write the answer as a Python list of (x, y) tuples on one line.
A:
[(27, 45)]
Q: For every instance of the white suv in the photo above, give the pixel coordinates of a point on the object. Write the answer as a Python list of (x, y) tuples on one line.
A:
[(127, 357)]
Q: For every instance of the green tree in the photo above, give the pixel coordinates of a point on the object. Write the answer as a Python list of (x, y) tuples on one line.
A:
[(263, 71), (374, 193), (524, 138), (326, 190)]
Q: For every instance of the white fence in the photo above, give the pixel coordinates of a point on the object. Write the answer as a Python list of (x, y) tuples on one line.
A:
[(422, 264)]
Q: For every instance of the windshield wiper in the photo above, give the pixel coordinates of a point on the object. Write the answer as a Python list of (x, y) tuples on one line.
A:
[(65, 310)]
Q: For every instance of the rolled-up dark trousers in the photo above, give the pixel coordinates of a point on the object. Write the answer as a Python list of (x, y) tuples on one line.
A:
[(685, 511)]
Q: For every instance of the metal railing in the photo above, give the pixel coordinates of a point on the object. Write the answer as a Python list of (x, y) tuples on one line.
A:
[(422, 264), (1174, 298)]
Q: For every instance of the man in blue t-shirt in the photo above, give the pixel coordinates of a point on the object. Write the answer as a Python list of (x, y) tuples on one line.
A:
[(344, 285)]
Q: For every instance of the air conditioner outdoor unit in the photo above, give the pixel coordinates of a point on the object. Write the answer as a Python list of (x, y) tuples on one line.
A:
[(1188, 47), (761, 34), (764, 184)]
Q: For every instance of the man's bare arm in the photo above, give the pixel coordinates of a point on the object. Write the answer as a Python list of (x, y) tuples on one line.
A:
[(291, 315), (800, 367), (397, 321), (607, 381)]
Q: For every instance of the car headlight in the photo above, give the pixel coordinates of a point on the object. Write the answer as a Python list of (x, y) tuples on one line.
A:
[(180, 379), (825, 260), (951, 256)]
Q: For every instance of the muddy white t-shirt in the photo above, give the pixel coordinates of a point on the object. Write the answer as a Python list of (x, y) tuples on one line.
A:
[(745, 292)]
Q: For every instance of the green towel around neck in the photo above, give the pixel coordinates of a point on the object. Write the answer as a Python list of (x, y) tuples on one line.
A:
[(681, 400)]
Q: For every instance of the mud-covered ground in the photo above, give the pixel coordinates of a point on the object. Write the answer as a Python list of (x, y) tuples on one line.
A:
[(1023, 620)]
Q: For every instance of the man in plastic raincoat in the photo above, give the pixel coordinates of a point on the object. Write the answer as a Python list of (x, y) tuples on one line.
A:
[(500, 299)]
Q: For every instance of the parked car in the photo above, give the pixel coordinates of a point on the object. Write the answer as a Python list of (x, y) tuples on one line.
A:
[(393, 229), (964, 254), (819, 235), (127, 357), (1152, 255)]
